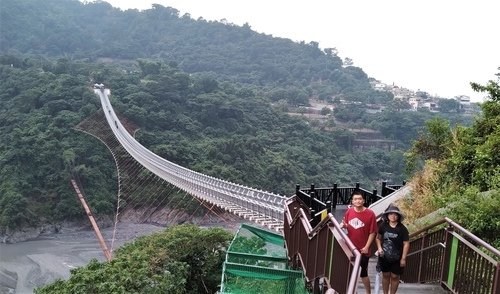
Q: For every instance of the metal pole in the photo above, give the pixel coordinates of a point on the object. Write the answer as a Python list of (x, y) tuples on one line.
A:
[(102, 243)]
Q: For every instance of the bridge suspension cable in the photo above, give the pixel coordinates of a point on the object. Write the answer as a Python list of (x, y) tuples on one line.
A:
[(262, 207)]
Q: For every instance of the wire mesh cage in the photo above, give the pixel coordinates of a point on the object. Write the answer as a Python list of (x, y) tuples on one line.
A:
[(256, 262)]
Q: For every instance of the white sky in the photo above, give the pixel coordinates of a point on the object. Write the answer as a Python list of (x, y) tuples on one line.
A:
[(437, 46)]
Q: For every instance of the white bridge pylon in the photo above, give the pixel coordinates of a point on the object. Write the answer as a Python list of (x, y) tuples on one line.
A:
[(261, 207)]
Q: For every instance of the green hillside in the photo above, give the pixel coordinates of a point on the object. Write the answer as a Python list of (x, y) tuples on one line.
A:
[(206, 95), (212, 97)]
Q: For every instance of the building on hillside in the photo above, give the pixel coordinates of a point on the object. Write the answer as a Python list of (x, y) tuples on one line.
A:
[(380, 86), (374, 108), (401, 93), (432, 106), (366, 139), (465, 105), (464, 100), (400, 97), (414, 102)]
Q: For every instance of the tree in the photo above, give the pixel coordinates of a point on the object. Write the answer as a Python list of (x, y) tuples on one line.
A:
[(331, 51), (434, 142), (325, 111), (476, 158), (13, 211), (172, 261), (149, 67), (448, 105), (462, 173), (348, 61), (492, 88)]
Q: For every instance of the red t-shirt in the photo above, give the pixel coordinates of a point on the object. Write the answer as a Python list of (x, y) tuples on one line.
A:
[(359, 226)]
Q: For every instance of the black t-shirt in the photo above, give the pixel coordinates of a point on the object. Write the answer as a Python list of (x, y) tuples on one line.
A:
[(392, 240)]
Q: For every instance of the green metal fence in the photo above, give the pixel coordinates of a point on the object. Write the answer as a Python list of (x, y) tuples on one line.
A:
[(256, 262)]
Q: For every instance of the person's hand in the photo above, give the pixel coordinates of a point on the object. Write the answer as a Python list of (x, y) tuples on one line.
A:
[(343, 224), (380, 252), (402, 262), (364, 250)]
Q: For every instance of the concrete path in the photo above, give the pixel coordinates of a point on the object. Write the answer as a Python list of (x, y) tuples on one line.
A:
[(403, 288)]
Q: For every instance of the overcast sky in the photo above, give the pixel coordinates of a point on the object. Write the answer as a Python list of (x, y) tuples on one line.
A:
[(437, 46)]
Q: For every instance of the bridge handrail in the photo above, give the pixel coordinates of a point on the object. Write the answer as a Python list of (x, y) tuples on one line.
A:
[(268, 204), (129, 141), (453, 224), (446, 252), (338, 195), (304, 243), (331, 196)]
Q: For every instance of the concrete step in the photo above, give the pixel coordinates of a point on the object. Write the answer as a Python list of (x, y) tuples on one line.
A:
[(413, 288), (407, 288)]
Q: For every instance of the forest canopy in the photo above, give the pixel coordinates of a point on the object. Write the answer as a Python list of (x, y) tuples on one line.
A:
[(215, 98), (215, 102)]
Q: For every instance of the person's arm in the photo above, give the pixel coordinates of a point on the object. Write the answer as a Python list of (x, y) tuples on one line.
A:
[(406, 248), (378, 241), (366, 249), (343, 224), (371, 237)]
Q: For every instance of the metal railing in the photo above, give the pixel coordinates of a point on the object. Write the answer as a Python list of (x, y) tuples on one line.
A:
[(389, 189), (320, 199), (446, 253), (340, 195), (262, 207), (315, 249)]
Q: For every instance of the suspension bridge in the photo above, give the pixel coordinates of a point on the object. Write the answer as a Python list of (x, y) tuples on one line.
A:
[(443, 254)]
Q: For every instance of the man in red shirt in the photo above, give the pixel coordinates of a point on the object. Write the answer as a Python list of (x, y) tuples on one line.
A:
[(361, 228)]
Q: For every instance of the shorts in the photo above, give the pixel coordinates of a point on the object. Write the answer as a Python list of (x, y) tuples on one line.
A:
[(390, 266), (364, 265)]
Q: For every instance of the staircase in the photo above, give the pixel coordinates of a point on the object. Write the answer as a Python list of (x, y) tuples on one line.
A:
[(403, 288)]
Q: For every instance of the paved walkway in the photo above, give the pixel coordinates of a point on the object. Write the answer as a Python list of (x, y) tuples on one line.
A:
[(403, 288)]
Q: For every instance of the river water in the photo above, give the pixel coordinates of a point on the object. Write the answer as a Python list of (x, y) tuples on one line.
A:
[(41, 261)]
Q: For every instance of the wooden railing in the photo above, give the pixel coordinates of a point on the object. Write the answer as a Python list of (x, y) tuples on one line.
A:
[(446, 253)]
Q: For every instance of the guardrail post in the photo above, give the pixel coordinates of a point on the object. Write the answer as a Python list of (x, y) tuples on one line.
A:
[(496, 282), (312, 203), (357, 185), (328, 206), (335, 197), (374, 196), (445, 263), (297, 189), (421, 259), (384, 184)]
